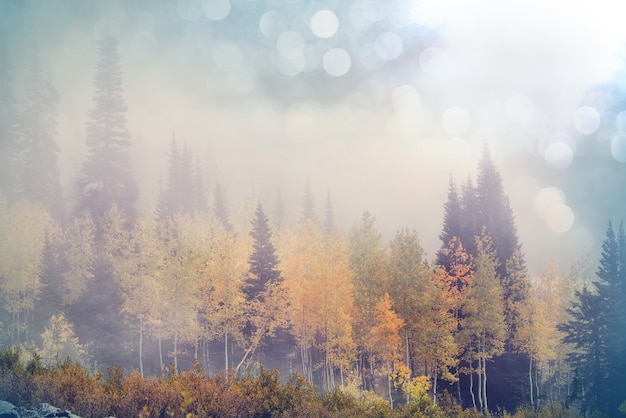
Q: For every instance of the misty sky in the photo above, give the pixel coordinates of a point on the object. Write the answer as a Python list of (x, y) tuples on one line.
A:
[(377, 102)]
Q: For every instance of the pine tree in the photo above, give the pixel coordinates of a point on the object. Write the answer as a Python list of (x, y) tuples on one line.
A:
[(308, 205), (9, 135), (494, 212), (470, 210), (279, 210), (612, 320), (584, 333), (38, 174), (329, 216), (452, 223), (263, 260), (106, 178), (219, 209), (265, 293)]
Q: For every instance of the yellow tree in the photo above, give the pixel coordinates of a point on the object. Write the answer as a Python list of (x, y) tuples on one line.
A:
[(385, 339), (318, 277), (78, 258), (137, 260), (300, 254), (22, 238), (368, 261), (332, 298), (408, 274), (483, 316), (437, 326), (221, 298)]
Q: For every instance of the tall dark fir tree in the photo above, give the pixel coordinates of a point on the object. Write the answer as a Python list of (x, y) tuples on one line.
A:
[(263, 260), (106, 191), (37, 173), (9, 135), (106, 179)]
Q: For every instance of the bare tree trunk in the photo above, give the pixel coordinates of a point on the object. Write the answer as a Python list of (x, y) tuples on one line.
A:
[(226, 365), (176, 351), (435, 384), (471, 375), (530, 381), (161, 357), (390, 396), (480, 386), (141, 349), (485, 384)]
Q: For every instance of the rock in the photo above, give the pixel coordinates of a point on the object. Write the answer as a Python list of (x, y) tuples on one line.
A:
[(8, 410), (44, 410)]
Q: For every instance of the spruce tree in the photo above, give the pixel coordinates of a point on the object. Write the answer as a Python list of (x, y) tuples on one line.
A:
[(106, 179), (263, 260), (279, 210), (452, 224), (329, 216), (37, 171), (219, 209), (308, 205), (8, 124), (609, 287)]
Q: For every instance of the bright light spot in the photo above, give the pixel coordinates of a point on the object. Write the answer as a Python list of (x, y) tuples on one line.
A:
[(216, 9), (432, 12), (271, 24), (369, 58), (550, 205), (559, 155), (405, 97), (374, 11), (291, 66), (388, 46), (559, 218), (324, 24), (290, 45), (189, 9), (336, 62), (547, 197), (431, 60), (456, 121), (519, 110), (618, 148), (586, 120), (620, 122), (356, 17)]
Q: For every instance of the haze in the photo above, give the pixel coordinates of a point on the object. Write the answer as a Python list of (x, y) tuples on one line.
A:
[(377, 103)]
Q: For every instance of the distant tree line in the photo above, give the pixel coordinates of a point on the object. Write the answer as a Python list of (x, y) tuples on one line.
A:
[(189, 281)]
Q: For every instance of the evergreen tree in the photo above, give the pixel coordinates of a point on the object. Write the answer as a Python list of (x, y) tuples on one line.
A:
[(200, 202), (279, 210), (308, 205), (184, 186), (470, 209), (612, 320), (494, 212), (452, 223), (584, 333), (265, 297), (219, 209), (329, 216), (263, 260), (106, 178), (8, 124), (38, 174)]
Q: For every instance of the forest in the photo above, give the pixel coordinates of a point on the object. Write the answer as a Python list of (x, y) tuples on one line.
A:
[(209, 307)]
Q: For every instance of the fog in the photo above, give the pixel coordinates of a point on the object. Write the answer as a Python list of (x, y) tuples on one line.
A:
[(376, 102)]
